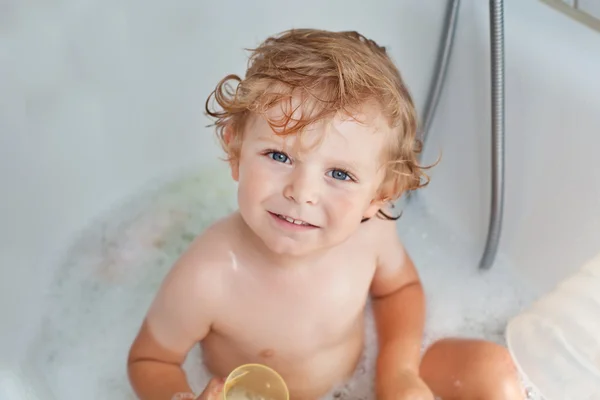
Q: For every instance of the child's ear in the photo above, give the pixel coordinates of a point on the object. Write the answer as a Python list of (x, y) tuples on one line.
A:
[(382, 198), (227, 134), (233, 161), (374, 207), (235, 169)]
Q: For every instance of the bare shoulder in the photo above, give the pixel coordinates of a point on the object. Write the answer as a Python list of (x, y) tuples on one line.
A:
[(394, 265), (209, 250), (191, 295), (383, 233), (195, 275)]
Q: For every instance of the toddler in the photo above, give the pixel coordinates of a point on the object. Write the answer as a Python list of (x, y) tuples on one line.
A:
[(320, 136)]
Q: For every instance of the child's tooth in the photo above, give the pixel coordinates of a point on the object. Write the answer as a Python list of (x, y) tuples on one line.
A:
[(292, 220)]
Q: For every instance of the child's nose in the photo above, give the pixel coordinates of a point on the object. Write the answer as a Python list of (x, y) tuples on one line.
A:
[(303, 187)]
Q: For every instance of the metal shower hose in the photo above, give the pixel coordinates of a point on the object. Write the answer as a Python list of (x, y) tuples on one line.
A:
[(496, 12)]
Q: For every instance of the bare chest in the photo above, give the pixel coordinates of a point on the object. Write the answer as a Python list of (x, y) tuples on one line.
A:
[(298, 312)]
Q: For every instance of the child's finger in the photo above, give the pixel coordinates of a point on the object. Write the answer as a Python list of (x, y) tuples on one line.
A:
[(213, 390)]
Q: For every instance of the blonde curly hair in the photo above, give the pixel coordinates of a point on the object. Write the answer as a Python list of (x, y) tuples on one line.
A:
[(330, 72)]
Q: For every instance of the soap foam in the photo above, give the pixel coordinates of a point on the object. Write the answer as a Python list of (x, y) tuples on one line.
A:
[(112, 272)]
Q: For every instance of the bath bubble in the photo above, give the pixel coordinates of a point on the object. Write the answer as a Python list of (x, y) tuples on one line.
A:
[(113, 269)]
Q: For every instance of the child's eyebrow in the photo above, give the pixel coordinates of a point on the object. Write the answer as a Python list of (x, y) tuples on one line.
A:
[(332, 160), (347, 164)]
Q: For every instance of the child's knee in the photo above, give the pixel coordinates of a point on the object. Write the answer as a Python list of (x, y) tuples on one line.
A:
[(493, 366), (478, 369), (498, 367)]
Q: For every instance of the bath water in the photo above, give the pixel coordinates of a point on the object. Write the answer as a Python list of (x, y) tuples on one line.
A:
[(112, 271)]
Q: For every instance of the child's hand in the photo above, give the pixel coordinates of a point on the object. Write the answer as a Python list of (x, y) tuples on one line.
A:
[(407, 386), (213, 390)]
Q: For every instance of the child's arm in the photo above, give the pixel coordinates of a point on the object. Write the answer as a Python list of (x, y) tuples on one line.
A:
[(179, 317), (399, 308)]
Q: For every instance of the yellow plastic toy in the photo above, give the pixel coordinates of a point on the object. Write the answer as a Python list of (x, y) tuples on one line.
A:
[(255, 382)]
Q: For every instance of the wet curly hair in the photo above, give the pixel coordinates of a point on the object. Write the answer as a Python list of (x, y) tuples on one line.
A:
[(331, 72)]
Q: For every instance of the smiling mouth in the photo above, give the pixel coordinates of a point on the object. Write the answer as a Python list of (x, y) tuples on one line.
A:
[(293, 221)]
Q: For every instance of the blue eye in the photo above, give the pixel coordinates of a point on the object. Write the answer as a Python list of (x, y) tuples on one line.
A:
[(279, 157), (339, 175)]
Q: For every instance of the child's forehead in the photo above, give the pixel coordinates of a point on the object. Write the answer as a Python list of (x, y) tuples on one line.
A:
[(367, 118), (360, 139), (340, 130), (368, 113)]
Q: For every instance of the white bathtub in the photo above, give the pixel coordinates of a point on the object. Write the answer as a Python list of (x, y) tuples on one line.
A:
[(98, 100)]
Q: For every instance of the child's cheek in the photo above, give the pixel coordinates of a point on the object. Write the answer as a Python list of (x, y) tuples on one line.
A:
[(261, 177), (343, 203)]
